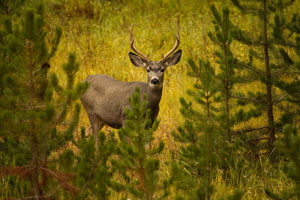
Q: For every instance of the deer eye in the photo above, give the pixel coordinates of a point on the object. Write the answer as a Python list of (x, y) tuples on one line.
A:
[(148, 70), (162, 70)]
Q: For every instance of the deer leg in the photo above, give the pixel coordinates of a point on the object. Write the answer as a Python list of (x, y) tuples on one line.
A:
[(126, 138), (96, 126)]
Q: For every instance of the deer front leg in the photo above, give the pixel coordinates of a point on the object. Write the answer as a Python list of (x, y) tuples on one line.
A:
[(96, 125), (126, 138)]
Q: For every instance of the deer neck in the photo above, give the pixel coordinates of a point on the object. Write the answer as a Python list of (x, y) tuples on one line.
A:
[(154, 96)]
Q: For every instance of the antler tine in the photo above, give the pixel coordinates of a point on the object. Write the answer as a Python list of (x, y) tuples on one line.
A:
[(177, 40), (133, 47)]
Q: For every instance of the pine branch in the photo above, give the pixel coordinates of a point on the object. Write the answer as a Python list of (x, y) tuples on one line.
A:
[(289, 44), (249, 67), (249, 130), (245, 98), (63, 179), (280, 99), (248, 9), (39, 107), (258, 139), (282, 72)]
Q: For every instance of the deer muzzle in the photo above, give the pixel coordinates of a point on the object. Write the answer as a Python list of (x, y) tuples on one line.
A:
[(154, 81)]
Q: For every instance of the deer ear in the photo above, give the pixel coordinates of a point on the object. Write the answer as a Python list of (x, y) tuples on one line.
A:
[(137, 60), (173, 59)]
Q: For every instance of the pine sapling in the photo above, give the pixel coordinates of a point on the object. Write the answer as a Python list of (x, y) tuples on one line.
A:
[(195, 169), (138, 162), (31, 114)]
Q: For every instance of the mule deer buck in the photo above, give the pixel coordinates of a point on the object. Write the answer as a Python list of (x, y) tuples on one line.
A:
[(106, 99)]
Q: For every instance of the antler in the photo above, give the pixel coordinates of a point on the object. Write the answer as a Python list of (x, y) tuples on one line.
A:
[(176, 42), (133, 47)]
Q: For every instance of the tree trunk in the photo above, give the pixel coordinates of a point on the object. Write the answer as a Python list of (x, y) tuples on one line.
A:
[(34, 164), (268, 80), (34, 139), (227, 95), (208, 150)]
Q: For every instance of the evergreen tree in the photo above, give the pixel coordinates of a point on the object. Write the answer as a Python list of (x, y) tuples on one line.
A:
[(222, 38), (290, 143), (229, 73), (30, 112), (268, 67), (287, 34), (195, 169), (94, 173), (290, 147), (204, 146), (137, 161), (226, 78)]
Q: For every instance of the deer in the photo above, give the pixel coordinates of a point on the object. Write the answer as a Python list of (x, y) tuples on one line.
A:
[(106, 98)]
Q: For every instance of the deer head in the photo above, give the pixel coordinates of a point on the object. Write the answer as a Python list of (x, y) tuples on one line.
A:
[(155, 69)]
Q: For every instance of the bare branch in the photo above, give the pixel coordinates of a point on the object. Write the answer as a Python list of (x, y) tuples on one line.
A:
[(281, 98), (249, 130), (245, 98), (258, 139)]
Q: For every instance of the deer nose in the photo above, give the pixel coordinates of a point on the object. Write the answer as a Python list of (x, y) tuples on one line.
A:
[(154, 81)]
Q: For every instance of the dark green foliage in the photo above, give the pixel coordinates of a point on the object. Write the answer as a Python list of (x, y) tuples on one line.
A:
[(93, 169), (227, 76), (12, 7), (137, 162), (199, 136), (290, 148), (208, 120), (292, 61), (30, 112)]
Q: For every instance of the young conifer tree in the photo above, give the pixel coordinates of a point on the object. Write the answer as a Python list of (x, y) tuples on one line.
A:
[(31, 114), (226, 78), (222, 38), (198, 136), (93, 169), (265, 64), (290, 147), (138, 163), (228, 75), (287, 34)]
